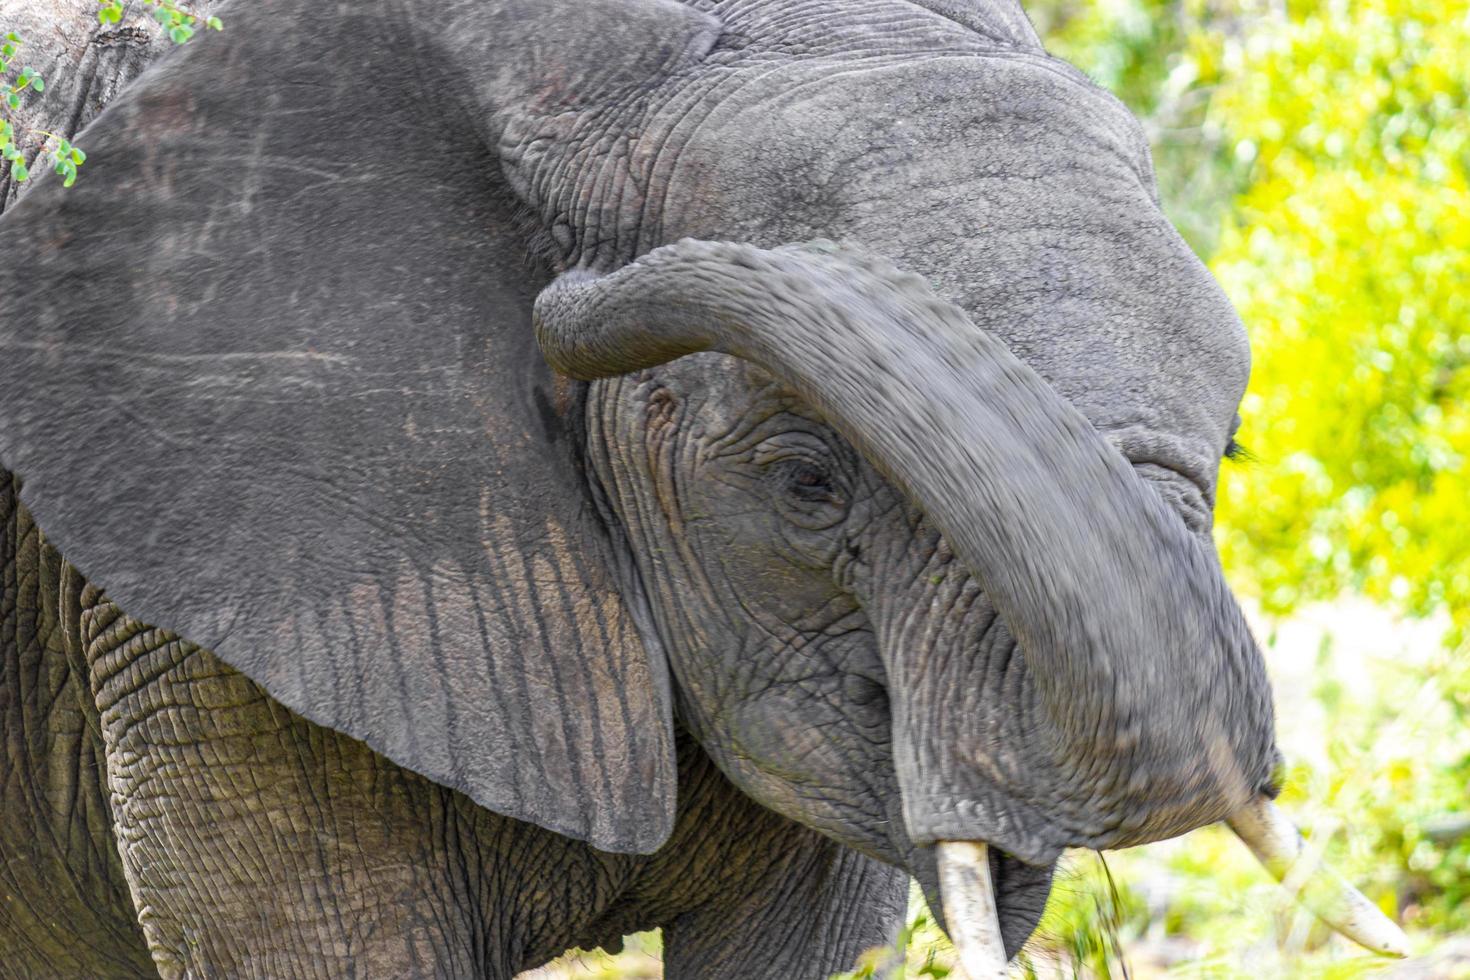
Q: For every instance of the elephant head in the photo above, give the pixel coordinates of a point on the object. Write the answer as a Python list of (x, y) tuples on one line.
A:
[(912, 532)]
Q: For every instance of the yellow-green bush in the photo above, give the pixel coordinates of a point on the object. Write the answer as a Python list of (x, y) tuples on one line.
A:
[(1348, 256)]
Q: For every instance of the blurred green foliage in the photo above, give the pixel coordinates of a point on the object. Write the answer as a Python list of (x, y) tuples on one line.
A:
[(1348, 255)]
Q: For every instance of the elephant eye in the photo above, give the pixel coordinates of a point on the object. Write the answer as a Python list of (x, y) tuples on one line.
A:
[(809, 482), (802, 470)]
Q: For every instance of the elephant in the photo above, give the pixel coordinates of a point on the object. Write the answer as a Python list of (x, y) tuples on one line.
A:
[(495, 475)]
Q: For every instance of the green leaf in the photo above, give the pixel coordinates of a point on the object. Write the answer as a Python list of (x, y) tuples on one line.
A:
[(12, 99), (71, 178), (19, 172), (215, 24), (12, 36), (78, 156), (162, 16), (113, 14), (7, 49), (179, 34), (38, 83)]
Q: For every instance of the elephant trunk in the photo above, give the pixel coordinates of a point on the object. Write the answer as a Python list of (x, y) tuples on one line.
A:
[(1149, 682), (1157, 712)]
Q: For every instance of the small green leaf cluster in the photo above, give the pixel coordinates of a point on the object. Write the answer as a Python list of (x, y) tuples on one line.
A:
[(68, 157), (12, 89), (10, 153), (180, 24), (26, 78)]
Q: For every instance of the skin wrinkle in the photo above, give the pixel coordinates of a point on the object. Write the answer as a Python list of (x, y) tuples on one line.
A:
[(818, 77), (565, 564), (53, 808)]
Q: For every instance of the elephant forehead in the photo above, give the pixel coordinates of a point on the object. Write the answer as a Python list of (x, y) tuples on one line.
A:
[(766, 144), (1018, 191), (760, 139), (847, 26)]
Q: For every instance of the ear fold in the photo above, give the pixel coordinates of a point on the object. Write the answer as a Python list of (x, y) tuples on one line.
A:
[(268, 375)]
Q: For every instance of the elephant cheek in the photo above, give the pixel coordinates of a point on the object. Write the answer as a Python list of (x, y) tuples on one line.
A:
[(796, 750), (972, 756)]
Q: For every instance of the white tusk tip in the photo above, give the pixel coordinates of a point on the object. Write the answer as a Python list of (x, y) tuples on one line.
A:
[(1276, 844)]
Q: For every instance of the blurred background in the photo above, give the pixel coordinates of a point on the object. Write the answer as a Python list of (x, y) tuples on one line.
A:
[(1316, 155)]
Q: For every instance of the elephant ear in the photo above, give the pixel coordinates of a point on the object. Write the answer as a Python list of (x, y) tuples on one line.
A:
[(268, 376)]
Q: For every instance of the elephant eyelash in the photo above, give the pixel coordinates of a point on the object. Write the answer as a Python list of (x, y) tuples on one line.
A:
[(1237, 453)]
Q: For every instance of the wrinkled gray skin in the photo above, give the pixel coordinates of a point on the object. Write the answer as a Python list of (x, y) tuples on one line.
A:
[(504, 662)]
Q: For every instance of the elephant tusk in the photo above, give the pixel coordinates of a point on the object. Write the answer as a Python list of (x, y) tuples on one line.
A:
[(1276, 844), (969, 908)]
